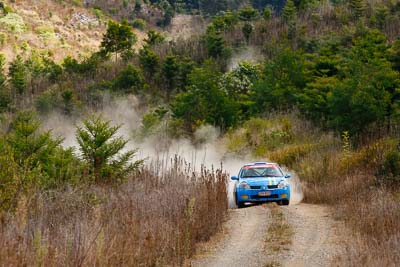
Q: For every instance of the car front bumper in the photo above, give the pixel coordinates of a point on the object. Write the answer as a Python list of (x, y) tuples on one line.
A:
[(258, 195)]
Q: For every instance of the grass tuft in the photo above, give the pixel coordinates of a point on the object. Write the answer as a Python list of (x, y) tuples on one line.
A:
[(155, 219)]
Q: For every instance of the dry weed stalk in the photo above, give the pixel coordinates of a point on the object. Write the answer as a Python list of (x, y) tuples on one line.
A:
[(155, 219)]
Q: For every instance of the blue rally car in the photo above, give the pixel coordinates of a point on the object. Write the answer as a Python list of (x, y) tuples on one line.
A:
[(261, 182)]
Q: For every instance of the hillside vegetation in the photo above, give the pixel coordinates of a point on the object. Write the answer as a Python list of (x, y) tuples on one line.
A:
[(322, 98)]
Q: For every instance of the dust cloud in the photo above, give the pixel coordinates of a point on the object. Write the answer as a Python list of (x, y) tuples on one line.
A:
[(249, 54), (206, 149)]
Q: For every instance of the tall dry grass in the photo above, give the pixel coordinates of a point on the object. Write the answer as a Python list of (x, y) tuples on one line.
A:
[(351, 176), (367, 200), (155, 219)]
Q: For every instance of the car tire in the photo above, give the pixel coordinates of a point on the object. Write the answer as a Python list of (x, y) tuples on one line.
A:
[(240, 205), (283, 202)]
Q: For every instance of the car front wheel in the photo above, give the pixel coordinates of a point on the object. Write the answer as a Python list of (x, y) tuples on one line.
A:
[(240, 205), (283, 202)]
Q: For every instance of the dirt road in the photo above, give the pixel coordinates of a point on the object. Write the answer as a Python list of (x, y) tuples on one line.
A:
[(315, 240)]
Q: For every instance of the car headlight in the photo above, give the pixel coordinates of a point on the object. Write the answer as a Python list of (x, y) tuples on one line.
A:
[(283, 184), (244, 185)]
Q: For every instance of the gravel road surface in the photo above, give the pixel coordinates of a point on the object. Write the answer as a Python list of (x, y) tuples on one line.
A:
[(316, 239)]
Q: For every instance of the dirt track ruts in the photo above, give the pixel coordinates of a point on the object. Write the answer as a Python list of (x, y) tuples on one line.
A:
[(315, 242)]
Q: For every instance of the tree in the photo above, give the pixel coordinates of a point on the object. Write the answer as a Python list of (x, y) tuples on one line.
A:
[(129, 78), (247, 30), (119, 38), (40, 154), (148, 61), (18, 73), (212, 7), (248, 14), (394, 55), (215, 45), (285, 77), (204, 101), (223, 22), (289, 12), (170, 73), (154, 38), (289, 16), (381, 15), (267, 13), (169, 13), (357, 8), (3, 77), (68, 101), (369, 89), (101, 150), (5, 98)]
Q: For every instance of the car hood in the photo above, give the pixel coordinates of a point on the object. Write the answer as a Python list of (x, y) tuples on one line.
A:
[(262, 180)]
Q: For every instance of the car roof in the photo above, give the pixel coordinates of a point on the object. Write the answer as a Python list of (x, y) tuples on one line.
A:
[(260, 163)]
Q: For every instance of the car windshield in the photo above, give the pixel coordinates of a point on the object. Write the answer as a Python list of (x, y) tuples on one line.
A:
[(265, 171)]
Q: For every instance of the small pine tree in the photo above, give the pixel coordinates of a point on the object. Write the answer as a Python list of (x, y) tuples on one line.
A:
[(3, 77), (17, 74), (267, 13), (102, 151), (170, 71), (5, 98), (119, 38), (129, 79), (357, 8), (248, 14), (381, 15), (247, 30), (154, 38), (148, 61), (215, 45), (289, 12)]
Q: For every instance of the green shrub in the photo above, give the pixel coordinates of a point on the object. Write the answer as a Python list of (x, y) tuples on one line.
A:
[(13, 23), (101, 150), (5, 99), (389, 172), (98, 13), (47, 101), (3, 38), (7, 9), (129, 79), (139, 24), (45, 32), (77, 3)]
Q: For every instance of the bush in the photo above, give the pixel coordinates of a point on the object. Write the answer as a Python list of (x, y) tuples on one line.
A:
[(389, 171), (101, 150), (3, 38), (47, 101), (13, 23), (40, 159), (45, 32), (139, 24), (98, 13), (129, 79)]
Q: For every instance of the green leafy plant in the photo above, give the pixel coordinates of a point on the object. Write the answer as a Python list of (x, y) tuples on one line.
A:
[(119, 38), (101, 150)]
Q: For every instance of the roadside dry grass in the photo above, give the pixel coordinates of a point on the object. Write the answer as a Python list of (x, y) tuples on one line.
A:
[(155, 219), (360, 182)]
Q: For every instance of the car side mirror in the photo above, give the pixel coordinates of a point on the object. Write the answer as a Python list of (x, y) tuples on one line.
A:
[(288, 175), (234, 178)]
